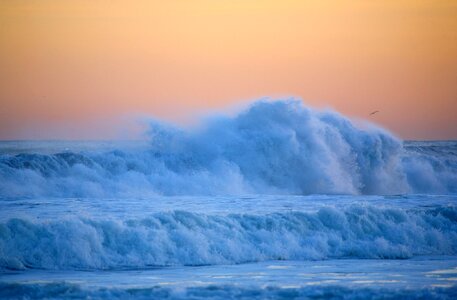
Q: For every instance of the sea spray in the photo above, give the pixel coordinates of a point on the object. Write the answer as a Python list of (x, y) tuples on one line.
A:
[(278, 147)]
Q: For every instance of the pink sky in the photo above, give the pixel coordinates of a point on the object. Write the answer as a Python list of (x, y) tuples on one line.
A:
[(80, 69)]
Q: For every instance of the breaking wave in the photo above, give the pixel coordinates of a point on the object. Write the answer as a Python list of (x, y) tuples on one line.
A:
[(277, 147), (185, 238)]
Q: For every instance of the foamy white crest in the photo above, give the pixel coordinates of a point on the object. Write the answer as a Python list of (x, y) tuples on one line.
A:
[(185, 238), (271, 147)]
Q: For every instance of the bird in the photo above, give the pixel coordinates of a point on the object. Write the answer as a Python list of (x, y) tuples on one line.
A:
[(374, 112)]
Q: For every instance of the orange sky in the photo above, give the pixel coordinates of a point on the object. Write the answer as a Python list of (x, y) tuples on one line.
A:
[(69, 68)]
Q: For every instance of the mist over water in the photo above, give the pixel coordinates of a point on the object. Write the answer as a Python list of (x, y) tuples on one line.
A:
[(280, 147)]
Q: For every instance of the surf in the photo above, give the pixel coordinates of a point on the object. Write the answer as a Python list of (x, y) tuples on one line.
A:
[(272, 147)]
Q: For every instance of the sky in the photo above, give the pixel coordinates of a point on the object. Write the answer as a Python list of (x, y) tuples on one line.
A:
[(85, 69)]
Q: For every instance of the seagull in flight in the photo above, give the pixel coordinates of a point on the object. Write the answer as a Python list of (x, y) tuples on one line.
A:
[(375, 112)]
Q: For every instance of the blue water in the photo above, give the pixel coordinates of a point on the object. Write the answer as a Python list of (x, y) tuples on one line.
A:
[(279, 202)]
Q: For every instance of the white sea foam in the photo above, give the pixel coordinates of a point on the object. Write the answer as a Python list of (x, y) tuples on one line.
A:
[(270, 148), (184, 238)]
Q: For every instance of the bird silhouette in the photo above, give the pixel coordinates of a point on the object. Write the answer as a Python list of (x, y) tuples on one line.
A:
[(374, 112)]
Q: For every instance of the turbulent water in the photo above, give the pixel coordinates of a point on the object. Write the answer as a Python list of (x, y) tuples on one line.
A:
[(279, 201)]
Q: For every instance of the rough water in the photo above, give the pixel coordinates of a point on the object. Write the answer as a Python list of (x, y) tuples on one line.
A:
[(279, 201)]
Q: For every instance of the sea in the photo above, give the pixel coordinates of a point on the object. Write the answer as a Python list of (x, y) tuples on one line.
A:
[(276, 201)]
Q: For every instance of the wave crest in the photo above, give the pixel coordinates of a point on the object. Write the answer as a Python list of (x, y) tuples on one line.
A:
[(185, 238), (277, 147)]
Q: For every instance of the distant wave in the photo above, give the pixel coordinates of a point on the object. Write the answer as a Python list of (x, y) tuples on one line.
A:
[(277, 147), (185, 238)]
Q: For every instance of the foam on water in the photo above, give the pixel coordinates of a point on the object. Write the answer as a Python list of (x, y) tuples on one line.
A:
[(425, 278), (272, 147), (185, 238)]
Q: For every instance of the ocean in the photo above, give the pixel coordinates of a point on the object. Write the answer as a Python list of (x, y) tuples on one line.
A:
[(278, 201)]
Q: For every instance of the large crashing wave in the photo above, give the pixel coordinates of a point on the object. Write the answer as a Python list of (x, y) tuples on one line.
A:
[(272, 147), (185, 238)]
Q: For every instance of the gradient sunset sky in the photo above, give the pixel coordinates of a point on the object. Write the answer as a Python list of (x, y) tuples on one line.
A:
[(73, 69)]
